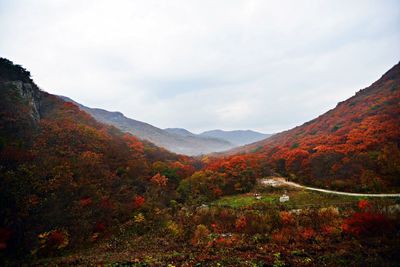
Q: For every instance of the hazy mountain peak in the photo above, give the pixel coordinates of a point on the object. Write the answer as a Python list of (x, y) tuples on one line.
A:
[(179, 131), (237, 137), (176, 140)]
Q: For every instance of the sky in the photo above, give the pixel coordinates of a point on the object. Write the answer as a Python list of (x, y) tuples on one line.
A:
[(202, 65)]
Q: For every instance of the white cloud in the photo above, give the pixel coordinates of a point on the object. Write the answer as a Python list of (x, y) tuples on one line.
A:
[(264, 65)]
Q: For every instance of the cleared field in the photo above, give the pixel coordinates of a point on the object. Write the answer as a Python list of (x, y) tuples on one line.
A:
[(298, 198), (245, 200)]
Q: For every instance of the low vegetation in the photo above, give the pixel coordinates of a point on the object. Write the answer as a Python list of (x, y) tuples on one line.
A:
[(250, 235)]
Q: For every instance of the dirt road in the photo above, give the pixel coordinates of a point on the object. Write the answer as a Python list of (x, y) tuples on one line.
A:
[(278, 181)]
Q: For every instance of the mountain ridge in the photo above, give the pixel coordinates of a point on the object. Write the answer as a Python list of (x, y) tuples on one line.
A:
[(191, 145), (235, 137)]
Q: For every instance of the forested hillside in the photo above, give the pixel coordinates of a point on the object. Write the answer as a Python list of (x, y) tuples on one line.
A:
[(66, 176), (353, 147)]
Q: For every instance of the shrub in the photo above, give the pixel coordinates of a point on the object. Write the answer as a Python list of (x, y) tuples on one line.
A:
[(52, 241), (138, 201), (286, 218), (85, 201), (327, 217), (227, 218), (307, 233), (282, 236), (367, 223), (201, 235), (330, 230), (241, 223), (364, 204), (257, 223), (138, 218), (173, 229)]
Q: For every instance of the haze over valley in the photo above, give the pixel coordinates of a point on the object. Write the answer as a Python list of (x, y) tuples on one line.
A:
[(177, 140)]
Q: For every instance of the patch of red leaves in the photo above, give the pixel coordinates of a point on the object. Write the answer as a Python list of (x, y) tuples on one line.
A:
[(138, 201), (367, 223)]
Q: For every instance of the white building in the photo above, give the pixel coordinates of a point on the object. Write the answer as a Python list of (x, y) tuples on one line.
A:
[(284, 198)]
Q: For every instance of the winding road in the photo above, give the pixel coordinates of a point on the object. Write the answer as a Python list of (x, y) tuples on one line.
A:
[(278, 181)]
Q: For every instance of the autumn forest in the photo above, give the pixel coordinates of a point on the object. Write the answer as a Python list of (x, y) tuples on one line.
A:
[(74, 191)]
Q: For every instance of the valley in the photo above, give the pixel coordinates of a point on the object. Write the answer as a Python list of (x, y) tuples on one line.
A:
[(199, 133), (86, 187), (176, 140)]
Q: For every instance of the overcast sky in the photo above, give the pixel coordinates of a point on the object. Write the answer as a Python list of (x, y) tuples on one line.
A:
[(201, 65)]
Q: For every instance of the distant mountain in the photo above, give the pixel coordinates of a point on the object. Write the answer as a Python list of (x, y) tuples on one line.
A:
[(238, 138), (179, 131), (172, 139)]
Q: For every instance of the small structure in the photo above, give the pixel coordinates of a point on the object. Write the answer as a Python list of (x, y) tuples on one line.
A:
[(284, 198), (257, 196)]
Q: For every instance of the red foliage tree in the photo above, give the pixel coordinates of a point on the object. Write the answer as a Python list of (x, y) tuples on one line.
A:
[(138, 201)]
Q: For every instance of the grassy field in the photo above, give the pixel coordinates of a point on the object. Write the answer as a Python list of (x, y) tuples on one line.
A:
[(245, 200), (298, 199)]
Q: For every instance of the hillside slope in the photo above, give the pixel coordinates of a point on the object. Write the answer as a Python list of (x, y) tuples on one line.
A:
[(64, 175), (173, 141), (354, 146)]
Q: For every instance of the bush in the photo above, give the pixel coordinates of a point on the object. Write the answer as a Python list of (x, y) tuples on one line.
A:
[(367, 223), (241, 223), (257, 223), (52, 241), (201, 235), (173, 229)]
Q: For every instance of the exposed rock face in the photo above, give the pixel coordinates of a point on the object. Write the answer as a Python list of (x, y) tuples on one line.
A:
[(19, 102), (30, 95)]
